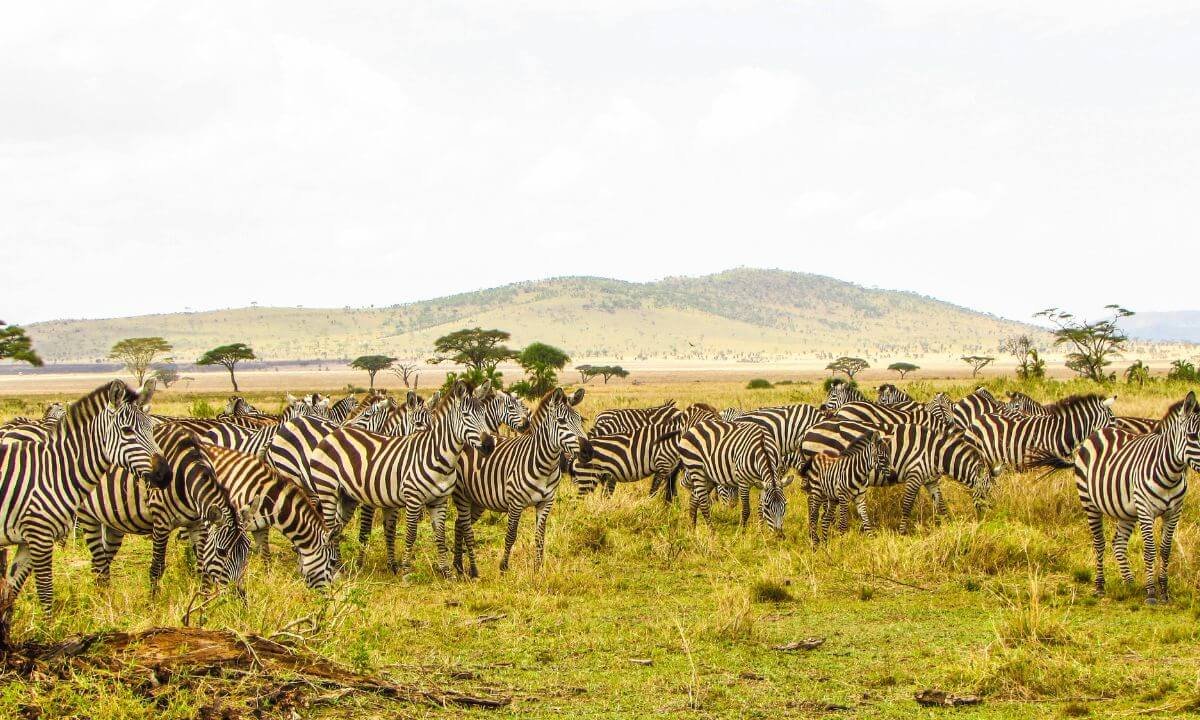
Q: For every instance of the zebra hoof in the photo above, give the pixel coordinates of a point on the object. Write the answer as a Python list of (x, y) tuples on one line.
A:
[(1152, 601), (503, 566)]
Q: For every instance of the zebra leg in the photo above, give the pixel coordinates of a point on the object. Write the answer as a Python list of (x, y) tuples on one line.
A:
[(1170, 520), (860, 502), (412, 519), (934, 487), (158, 554), (1095, 520), (699, 495), (437, 519), (912, 486), (743, 493), (827, 518), (843, 517), (539, 532), (366, 519), (1149, 554), (610, 486), (462, 523), (262, 543), (474, 516), (93, 535), (18, 572), (510, 536), (1120, 545), (41, 554), (814, 518)]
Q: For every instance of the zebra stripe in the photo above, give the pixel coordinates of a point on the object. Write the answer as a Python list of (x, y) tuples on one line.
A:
[(628, 457), (890, 395), (619, 420), (1021, 443), (42, 482), (340, 410), (1135, 479), (842, 479), (1136, 425), (717, 453), (978, 403), (869, 413), (521, 472), (1021, 405)]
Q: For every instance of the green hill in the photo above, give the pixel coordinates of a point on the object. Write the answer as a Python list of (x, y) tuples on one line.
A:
[(743, 314)]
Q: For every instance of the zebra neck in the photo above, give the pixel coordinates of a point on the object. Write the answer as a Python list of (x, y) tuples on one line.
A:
[(80, 460)]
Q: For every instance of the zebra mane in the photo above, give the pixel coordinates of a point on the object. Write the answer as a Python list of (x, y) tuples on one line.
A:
[(1175, 407), (87, 407), (1073, 401), (705, 407), (542, 408)]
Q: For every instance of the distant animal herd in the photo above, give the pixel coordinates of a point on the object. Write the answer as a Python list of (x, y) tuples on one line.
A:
[(109, 467)]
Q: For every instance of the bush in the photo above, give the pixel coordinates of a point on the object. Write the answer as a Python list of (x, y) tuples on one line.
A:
[(831, 381), (1183, 371), (769, 591), (759, 384), (199, 408)]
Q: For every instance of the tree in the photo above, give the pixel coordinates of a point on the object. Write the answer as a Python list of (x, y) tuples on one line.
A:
[(542, 363), (610, 371), (229, 356), (1023, 348), (16, 345), (166, 373), (1138, 372), (977, 363), (480, 351), (138, 353), (372, 364), (586, 372), (903, 368), (1183, 371), (849, 365), (406, 370), (1094, 343)]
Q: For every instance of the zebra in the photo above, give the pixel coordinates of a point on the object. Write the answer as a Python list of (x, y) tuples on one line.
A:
[(890, 395), (628, 419), (714, 452), (1136, 425), (1021, 405), (54, 412), (270, 500), (1135, 479), (917, 455), (41, 483), (977, 403), (192, 498), (836, 479), (628, 457), (416, 472), (256, 439), (522, 471), (1022, 443), (340, 410), (840, 393), (881, 416), (786, 424)]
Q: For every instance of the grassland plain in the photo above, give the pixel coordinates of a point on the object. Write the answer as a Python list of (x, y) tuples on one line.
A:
[(1001, 607)]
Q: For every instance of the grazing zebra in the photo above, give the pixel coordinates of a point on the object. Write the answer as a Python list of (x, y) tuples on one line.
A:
[(628, 457), (978, 403), (786, 424), (41, 483), (522, 471), (627, 419), (1136, 425), (1135, 479), (890, 395), (715, 453), (840, 393), (1020, 443), (942, 411), (340, 410), (831, 480), (191, 498), (416, 472), (1021, 405), (270, 500), (917, 455)]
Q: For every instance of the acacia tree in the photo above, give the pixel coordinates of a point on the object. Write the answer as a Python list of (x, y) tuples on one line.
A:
[(16, 345), (1024, 349), (903, 368), (1094, 343), (849, 365), (542, 363), (373, 364), (166, 373), (137, 354), (229, 356), (405, 371), (977, 363), (586, 373), (610, 371), (479, 350)]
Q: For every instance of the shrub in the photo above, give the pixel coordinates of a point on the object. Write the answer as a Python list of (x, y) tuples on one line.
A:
[(769, 591), (199, 408), (759, 384)]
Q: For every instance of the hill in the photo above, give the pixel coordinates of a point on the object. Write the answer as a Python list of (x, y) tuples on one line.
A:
[(1178, 326), (743, 314)]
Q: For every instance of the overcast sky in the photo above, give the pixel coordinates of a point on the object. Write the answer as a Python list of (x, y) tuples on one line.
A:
[(1006, 156)]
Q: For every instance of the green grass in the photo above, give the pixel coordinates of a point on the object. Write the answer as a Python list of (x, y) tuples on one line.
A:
[(1000, 608)]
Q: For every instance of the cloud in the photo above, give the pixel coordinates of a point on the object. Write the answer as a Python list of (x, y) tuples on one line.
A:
[(750, 101)]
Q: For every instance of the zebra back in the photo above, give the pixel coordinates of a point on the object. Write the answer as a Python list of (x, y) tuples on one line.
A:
[(1025, 442), (627, 419)]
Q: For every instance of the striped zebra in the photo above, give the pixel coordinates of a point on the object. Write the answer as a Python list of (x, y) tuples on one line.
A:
[(1021, 405), (41, 483), (869, 413), (1136, 479), (192, 498), (340, 410), (1021, 443), (890, 395), (521, 472), (1136, 425), (414, 473), (628, 457), (620, 420), (831, 480), (840, 393), (974, 405), (255, 439), (200, 426), (54, 411), (715, 453), (786, 424), (270, 500), (918, 457)]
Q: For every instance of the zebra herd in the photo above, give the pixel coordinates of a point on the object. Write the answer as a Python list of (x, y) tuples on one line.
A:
[(109, 466)]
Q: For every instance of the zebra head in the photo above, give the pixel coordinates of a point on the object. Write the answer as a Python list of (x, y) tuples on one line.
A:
[(317, 568), (840, 393), (565, 422), (223, 549), (467, 417), (297, 407), (237, 405), (54, 411), (1191, 448), (508, 409), (889, 394), (880, 453), (127, 433)]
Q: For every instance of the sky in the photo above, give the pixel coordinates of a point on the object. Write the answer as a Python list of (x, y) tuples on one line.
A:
[(1004, 156)]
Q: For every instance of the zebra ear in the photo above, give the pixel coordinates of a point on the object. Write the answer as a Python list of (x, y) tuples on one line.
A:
[(484, 391), (557, 395), (1108, 402), (291, 399), (459, 390), (146, 394), (577, 397), (411, 399), (213, 514), (1189, 402)]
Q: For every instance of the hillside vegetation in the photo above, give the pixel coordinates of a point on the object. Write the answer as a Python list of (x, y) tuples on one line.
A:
[(743, 314)]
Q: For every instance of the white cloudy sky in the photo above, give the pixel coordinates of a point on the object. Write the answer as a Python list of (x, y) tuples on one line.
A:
[(1006, 155)]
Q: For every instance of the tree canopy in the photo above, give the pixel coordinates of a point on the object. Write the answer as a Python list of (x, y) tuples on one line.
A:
[(166, 373), (587, 372), (229, 356), (476, 349), (977, 362), (372, 364), (137, 354), (541, 362), (849, 365), (16, 345), (1094, 344), (1022, 347), (903, 368)]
